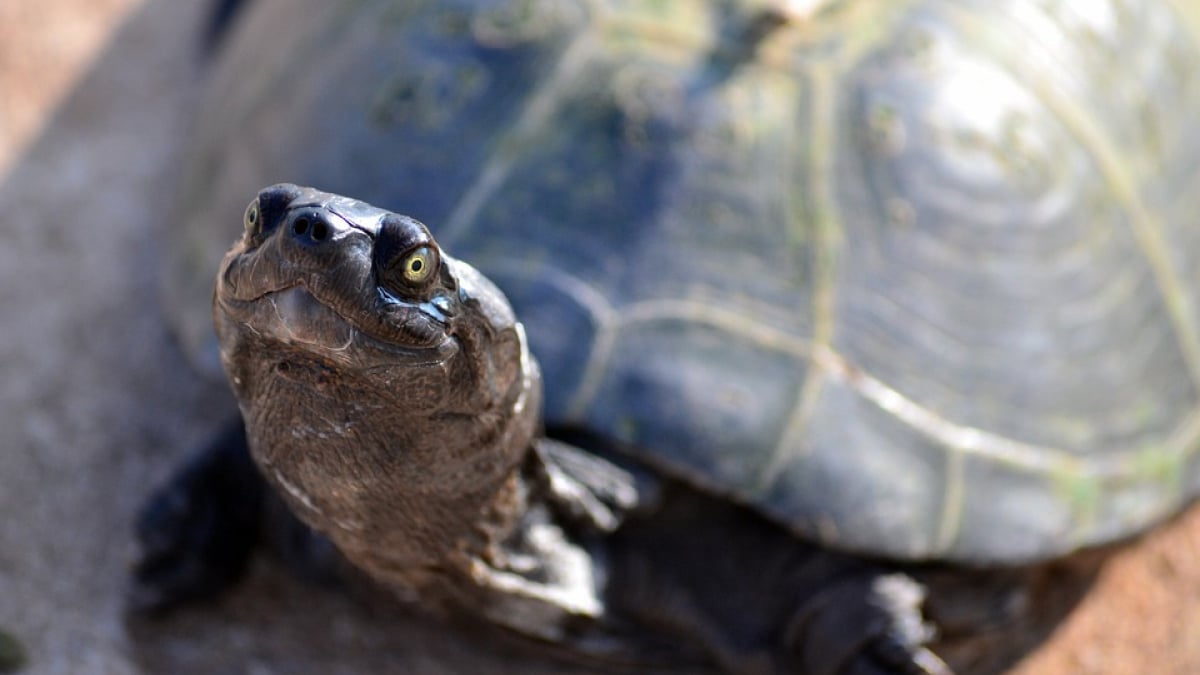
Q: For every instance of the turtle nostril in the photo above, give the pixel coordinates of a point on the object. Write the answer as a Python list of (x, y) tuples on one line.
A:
[(311, 229)]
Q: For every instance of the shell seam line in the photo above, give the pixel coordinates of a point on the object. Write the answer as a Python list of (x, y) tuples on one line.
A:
[(953, 498), (604, 320), (610, 322), (973, 441), (1183, 442), (1142, 223), (533, 117), (826, 246)]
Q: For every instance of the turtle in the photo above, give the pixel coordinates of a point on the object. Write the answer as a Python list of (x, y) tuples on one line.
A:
[(811, 312)]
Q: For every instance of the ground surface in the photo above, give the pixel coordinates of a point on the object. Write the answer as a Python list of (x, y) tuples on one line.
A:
[(96, 406)]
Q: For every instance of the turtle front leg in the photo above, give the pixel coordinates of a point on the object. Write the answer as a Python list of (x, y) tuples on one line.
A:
[(866, 624), (588, 491), (549, 579), (548, 575), (197, 532)]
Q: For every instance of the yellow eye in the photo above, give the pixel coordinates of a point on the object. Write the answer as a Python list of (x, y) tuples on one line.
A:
[(251, 218), (419, 265)]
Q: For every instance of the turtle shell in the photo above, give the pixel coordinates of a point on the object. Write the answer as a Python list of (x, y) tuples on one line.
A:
[(917, 279)]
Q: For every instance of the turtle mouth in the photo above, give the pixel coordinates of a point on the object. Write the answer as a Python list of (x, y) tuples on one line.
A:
[(295, 317), (299, 317)]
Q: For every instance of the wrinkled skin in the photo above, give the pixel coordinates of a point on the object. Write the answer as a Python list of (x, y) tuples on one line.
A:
[(358, 385)]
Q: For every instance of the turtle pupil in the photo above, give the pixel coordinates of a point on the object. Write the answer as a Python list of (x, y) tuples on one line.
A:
[(418, 266)]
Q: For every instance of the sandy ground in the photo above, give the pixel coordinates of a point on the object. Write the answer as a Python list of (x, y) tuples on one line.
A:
[(96, 404)]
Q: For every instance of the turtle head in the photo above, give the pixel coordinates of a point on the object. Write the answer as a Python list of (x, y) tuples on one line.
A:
[(382, 381), (340, 279)]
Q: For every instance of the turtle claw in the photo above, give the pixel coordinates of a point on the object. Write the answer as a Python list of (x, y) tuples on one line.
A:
[(196, 533), (590, 491), (866, 626), (902, 642)]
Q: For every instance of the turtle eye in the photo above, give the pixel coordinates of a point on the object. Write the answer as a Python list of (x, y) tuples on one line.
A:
[(418, 266), (407, 261), (252, 220)]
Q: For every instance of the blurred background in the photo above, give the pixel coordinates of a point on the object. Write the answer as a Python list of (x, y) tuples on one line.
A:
[(97, 404)]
